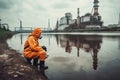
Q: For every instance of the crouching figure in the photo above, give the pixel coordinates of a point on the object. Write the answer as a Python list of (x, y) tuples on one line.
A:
[(32, 49)]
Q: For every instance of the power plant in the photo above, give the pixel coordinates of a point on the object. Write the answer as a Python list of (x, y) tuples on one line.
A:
[(89, 20)]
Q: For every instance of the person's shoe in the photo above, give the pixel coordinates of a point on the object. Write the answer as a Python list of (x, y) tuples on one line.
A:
[(42, 65), (45, 67)]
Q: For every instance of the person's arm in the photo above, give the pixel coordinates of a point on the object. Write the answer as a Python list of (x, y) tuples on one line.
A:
[(34, 45)]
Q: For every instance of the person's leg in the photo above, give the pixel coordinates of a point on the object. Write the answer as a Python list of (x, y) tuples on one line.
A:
[(42, 61), (35, 61), (29, 60), (42, 65), (34, 56), (40, 55)]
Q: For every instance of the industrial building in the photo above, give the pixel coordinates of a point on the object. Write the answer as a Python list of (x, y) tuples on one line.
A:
[(64, 22), (89, 20), (4, 26)]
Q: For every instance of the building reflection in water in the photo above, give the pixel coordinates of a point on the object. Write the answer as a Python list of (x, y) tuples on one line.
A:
[(91, 44), (21, 36)]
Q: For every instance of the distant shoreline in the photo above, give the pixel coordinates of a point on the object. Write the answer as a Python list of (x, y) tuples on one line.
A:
[(70, 30), (104, 29), (78, 31)]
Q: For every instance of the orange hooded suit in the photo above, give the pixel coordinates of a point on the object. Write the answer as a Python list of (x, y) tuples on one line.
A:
[(32, 48)]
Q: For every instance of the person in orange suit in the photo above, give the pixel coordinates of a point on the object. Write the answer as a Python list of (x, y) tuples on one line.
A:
[(32, 49)]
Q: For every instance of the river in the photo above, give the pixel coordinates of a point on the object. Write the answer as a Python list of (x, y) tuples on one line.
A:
[(78, 56)]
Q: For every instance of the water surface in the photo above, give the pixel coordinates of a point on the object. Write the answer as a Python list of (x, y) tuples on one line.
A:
[(78, 56)]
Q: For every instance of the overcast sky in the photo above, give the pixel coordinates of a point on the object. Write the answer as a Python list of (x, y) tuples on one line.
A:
[(35, 13)]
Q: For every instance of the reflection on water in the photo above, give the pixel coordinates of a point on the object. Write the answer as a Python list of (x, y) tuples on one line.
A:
[(88, 43), (77, 57), (21, 39)]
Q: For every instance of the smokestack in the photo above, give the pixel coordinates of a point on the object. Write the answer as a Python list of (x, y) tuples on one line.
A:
[(78, 12), (48, 24), (95, 8), (20, 25)]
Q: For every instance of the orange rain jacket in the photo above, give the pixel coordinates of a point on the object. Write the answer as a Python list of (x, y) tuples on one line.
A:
[(32, 48)]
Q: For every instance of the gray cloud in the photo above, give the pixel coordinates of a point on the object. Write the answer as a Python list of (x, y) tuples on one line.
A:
[(10, 9), (41, 8), (111, 4), (33, 11), (61, 5), (114, 1), (5, 4), (10, 5)]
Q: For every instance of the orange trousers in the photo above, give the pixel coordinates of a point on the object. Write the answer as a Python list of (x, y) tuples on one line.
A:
[(41, 55)]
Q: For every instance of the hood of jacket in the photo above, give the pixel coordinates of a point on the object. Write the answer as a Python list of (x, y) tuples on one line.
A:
[(36, 32)]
